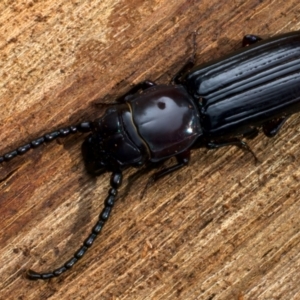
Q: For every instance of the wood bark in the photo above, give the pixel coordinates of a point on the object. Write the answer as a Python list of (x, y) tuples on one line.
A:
[(221, 228)]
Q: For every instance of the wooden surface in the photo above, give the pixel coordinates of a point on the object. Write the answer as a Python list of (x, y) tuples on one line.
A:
[(222, 228)]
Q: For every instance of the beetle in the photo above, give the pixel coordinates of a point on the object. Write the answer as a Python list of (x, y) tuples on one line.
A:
[(212, 105)]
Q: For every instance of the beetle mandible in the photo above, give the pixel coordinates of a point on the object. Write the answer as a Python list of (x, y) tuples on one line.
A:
[(211, 105)]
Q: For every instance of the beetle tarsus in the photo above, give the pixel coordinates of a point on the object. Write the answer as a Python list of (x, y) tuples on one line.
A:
[(232, 142), (177, 78), (272, 127), (250, 39)]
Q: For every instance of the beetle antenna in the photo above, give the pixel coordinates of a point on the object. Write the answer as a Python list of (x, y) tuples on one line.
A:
[(115, 182), (48, 137)]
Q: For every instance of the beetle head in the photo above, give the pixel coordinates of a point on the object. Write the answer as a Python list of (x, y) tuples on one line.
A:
[(96, 156)]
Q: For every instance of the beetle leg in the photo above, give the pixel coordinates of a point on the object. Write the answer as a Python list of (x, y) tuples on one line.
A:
[(251, 134), (182, 160), (140, 86), (232, 142), (177, 78), (271, 128), (188, 65), (115, 183), (250, 39)]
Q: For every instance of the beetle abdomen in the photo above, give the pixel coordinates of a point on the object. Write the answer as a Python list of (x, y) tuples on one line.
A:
[(260, 82)]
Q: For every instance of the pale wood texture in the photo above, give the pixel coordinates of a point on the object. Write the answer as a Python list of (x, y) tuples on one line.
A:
[(222, 228)]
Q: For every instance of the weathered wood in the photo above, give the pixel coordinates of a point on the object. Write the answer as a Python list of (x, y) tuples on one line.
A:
[(223, 228)]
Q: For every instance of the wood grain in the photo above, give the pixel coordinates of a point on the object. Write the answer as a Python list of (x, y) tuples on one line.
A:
[(222, 228)]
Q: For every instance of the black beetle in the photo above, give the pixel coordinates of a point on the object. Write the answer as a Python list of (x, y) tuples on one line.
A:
[(212, 105)]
